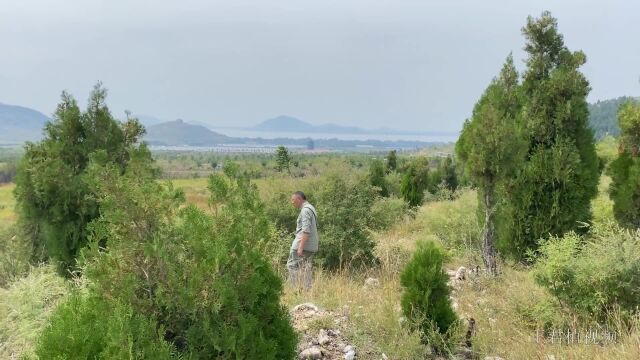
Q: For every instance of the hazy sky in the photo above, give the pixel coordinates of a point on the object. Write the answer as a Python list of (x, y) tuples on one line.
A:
[(398, 63)]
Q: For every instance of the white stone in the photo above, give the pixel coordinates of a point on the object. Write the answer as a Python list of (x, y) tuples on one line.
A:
[(371, 283), (461, 274), (347, 349), (384, 356), (305, 307), (350, 355), (310, 354)]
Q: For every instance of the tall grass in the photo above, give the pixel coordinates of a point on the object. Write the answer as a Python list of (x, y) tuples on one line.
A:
[(24, 309)]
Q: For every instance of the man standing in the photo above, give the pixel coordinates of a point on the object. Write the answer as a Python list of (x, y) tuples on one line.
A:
[(305, 244)]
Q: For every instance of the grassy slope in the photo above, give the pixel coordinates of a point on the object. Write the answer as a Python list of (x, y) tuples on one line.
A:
[(503, 308), (7, 204)]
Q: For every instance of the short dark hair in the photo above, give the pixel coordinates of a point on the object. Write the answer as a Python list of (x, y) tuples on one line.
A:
[(301, 194)]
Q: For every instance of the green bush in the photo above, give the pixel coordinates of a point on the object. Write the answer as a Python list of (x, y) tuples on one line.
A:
[(592, 276), (386, 212), (200, 280), (345, 219), (86, 327), (425, 300)]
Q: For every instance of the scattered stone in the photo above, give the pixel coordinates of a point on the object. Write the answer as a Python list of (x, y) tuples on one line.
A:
[(347, 349), (323, 338), (310, 354), (461, 274), (305, 307), (350, 355), (371, 283)]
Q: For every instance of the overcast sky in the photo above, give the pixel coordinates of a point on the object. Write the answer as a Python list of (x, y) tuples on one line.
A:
[(404, 64)]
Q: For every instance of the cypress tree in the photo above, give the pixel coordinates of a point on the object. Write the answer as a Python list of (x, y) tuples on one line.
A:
[(491, 149), (559, 177), (625, 169)]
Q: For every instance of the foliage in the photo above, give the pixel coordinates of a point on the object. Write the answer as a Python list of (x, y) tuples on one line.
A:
[(87, 327), (449, 175), (392, 161), (283, 159), (25, 306), (200, 280), (344, 219), (425, 300), (377, 178), (386, 212), (54, 200), (555, 184), (625, 169), (593, 276), (415, 182)]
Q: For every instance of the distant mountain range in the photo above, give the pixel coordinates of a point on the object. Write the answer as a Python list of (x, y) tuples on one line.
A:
[(19, 124), (284, 124)]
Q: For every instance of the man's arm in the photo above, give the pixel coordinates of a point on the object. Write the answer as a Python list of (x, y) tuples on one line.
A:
[(306, 229), (304, 236)]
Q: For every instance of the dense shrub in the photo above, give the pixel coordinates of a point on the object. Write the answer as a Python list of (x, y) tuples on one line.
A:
[(425, 300), (200, 281), (595, 275), (344, 220), (86, 327), (386, 212), (377, 178), (415, 181)]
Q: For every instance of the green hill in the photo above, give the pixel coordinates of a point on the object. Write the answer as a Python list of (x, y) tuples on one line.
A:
[(178, 132), (19, 124), (603, 116)]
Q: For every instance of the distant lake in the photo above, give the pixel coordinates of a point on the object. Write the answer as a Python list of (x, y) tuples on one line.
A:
[(444, 138)]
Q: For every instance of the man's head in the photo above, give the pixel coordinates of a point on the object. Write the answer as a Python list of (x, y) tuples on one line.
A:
[(298, 199)]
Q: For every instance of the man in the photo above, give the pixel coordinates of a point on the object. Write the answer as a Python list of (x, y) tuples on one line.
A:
[(305, 244)]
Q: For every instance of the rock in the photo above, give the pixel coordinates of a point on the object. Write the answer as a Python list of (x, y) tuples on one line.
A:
[(384, 356), (350, 355), (323, 338), (451, 273), (371, 283), (310, 353), (461, 274), (333, 333), (348, 348), (551, 357), (305, 307)]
